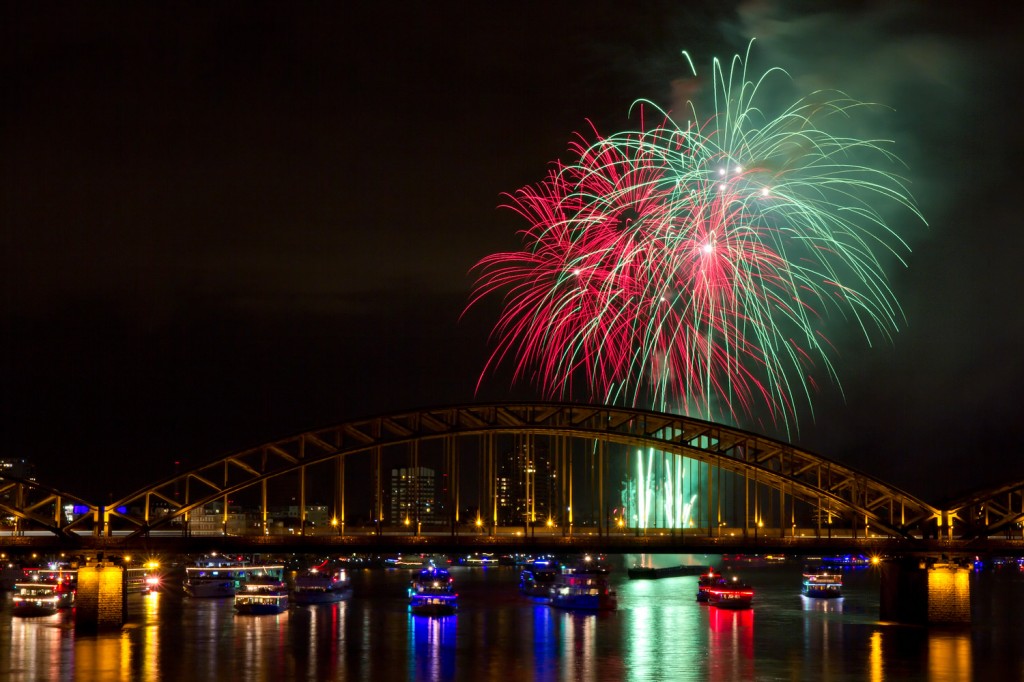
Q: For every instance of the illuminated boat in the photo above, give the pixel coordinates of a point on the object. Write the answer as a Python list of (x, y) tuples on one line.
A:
[(41, 598), (731, 594), (262, 595), (150, 583), (320, 587), (706, 581), (208, 583), (536, 579), (822, 585), (432, 593), (583, 588)]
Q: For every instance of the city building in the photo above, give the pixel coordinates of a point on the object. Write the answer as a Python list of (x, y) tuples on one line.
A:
[(414, 498), (526, 487)]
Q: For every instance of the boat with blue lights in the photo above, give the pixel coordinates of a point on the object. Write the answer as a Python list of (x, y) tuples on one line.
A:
[(262, 595), (706, 581), (583, 588), (845, 561), (731, 594), (432, 593), (537, 577), (822, 585)]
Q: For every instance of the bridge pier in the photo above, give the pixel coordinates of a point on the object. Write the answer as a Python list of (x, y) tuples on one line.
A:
[(101, 602), (920, 592)]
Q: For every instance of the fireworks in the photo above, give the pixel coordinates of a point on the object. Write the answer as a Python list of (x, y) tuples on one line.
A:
[(691, 265)]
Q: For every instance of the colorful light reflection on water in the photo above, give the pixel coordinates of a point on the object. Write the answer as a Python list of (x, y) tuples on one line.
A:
[(658, 632)]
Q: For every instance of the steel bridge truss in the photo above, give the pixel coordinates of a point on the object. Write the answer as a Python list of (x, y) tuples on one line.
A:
[(991, 512), (834, 491), (27, 504)]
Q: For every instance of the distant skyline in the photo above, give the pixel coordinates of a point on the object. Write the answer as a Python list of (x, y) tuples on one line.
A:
[(223, 224)]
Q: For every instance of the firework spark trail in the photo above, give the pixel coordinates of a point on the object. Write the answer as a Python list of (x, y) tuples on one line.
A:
[(690, 267)]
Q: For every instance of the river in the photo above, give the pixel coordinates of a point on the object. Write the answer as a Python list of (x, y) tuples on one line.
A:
[(658, 632)]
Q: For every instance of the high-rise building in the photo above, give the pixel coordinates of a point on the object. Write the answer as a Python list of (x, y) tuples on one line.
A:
[(414, 497), (526, 487)]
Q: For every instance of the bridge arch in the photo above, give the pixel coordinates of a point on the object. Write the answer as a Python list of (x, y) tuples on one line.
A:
[(989, 512), (579, 436), (33, 505)]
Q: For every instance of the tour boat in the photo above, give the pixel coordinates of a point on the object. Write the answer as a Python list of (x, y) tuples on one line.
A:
[(320, 587), (262, 595), (822, 585), (583, 588), (42, 598), (536, 579), (731, 594), (431, 593), (706, 581), (208, 583)]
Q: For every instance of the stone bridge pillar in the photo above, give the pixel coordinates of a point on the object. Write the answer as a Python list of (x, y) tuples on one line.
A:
[(102, 599), (920, 592)]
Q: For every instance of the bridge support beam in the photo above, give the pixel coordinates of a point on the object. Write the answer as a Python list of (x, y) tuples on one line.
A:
[(920, 592), (101, 602)]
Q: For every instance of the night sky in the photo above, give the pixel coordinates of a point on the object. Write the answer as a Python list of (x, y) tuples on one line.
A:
[(223, 224)]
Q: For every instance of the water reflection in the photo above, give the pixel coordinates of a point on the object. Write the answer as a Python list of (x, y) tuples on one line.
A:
[(834, 605), (256, 640), (658, 633), (432, 647), (730, 644), (316, 633), (578, 643), (875, 657), (544, 652), (151, 633), (949, 656), (101, 657), (35, 648), (654, 609)]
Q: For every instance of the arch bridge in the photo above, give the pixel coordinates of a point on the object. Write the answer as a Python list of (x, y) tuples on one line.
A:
[(517, 469)]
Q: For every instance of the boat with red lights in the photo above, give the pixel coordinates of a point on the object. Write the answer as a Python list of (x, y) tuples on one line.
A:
[(706, 581), (583, 588), (42, 597), (318, 586), (822, 585), (731, 594), (432, 593)]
